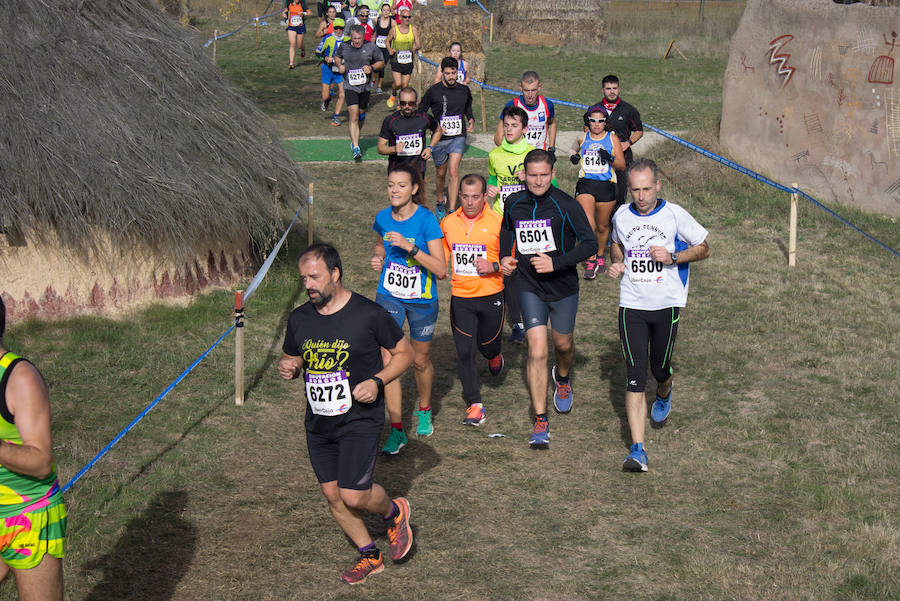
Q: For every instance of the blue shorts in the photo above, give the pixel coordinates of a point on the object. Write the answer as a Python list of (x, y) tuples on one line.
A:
[(328, 76), (535, 312), (299, 29), (421, 316), (446, 146)]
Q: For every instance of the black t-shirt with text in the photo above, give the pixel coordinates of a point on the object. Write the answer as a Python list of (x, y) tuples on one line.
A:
[(345, 344)]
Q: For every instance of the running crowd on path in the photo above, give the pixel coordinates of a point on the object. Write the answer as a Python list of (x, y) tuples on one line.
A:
[(510, 240)]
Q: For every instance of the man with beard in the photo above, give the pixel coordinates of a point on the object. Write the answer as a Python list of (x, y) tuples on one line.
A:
[(402, 136), (335, 340), (625, 121), (451, 104)]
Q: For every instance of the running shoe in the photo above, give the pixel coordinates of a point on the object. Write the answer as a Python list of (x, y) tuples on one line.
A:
[(474, 415), (396, 440), (367, 564), (335, 120), (636, 460), (323, 106), (357, 154), (303, 53), (659, 412), (440, 210), (424, 427), (590, 269), (378, 90), (540, 434), (495, 365), (601, 265), (399, 532), (563, 397), (517, 335), (290, 66), (391, 101)]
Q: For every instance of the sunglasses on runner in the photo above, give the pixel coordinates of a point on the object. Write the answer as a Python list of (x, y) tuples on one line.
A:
[(407, 103)]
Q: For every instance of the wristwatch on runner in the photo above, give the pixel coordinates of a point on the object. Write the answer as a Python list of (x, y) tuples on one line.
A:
[(674, 257)]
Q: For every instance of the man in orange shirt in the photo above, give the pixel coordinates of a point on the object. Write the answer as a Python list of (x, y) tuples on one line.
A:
[(472, 243)]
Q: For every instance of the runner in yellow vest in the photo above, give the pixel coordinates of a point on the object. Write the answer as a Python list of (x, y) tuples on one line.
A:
[(402, 44)]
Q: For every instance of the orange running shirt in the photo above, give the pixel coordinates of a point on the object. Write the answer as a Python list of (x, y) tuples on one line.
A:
[(465, 240)]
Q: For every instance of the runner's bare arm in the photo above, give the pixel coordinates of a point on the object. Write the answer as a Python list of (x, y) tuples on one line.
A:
[(688, 255), (617, 260), (29, 402), (618, 154), (377, 260)]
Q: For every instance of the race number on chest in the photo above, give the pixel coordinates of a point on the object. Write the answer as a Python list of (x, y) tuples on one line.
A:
[(535, 236), (464, 257), (402, 281), (452, 125), (642, 269), (404, 57), (357, 77), (328, 393), (593, 163), (409, 145)]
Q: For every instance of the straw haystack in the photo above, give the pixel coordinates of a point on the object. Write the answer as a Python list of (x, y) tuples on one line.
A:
[(548, 23), (439, 26), (129, 168)]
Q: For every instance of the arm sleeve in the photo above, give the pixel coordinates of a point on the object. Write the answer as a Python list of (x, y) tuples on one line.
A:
[(432, 228), (506, 236), (469, 113), (386, 130), (425, 103), (586, 245), (689, 229), (387, 332), (289, 347), (551, 110), (635, 118)]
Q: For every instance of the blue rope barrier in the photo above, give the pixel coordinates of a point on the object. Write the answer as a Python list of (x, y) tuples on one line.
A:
[(231, 33), (134, 422), (711, 155), (486, 11), (257, 279)]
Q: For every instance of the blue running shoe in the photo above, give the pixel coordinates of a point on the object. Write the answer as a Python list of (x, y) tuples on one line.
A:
[(636, 460), (362, 119), (563, 397), (659, 412), (540, 434), (440, 210), (517, 335)]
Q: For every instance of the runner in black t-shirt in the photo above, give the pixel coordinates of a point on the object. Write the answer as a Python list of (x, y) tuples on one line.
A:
[(451, 104), (625, 121), (335, 340), (402, 136)]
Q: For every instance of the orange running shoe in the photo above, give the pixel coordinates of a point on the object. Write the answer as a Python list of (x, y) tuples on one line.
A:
[(474, 415), (399, 532), (367, 564)]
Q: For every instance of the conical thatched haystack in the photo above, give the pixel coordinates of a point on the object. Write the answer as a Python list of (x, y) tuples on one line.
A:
[(549, 22), (129, 169)]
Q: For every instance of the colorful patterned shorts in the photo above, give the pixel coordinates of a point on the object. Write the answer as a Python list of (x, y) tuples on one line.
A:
[(27, 537)]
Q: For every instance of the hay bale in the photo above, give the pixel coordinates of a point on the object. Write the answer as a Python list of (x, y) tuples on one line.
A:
[(112, 146), (423, 76), (439, 26), (545, 22)]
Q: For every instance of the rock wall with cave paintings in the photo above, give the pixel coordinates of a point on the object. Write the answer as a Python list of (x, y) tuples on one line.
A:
[(812, 95)]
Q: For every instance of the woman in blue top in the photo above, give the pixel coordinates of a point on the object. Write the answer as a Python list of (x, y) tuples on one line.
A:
[(409, 255), (599, 154)]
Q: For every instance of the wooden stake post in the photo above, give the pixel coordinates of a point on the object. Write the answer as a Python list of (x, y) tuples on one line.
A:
[(215, 35), (483, 113), (491, 33), (257, 32), (669, 49), (792, 243), (309, 215), (239, 348)]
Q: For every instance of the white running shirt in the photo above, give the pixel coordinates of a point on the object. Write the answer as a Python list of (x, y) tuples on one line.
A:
[(647, 284)]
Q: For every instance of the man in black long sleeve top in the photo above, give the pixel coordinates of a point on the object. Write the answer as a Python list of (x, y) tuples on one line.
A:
[(544, 235), (451, 104)]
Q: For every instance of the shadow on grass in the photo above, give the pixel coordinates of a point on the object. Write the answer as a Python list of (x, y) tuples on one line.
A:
[(612, 369), (151, 557)]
